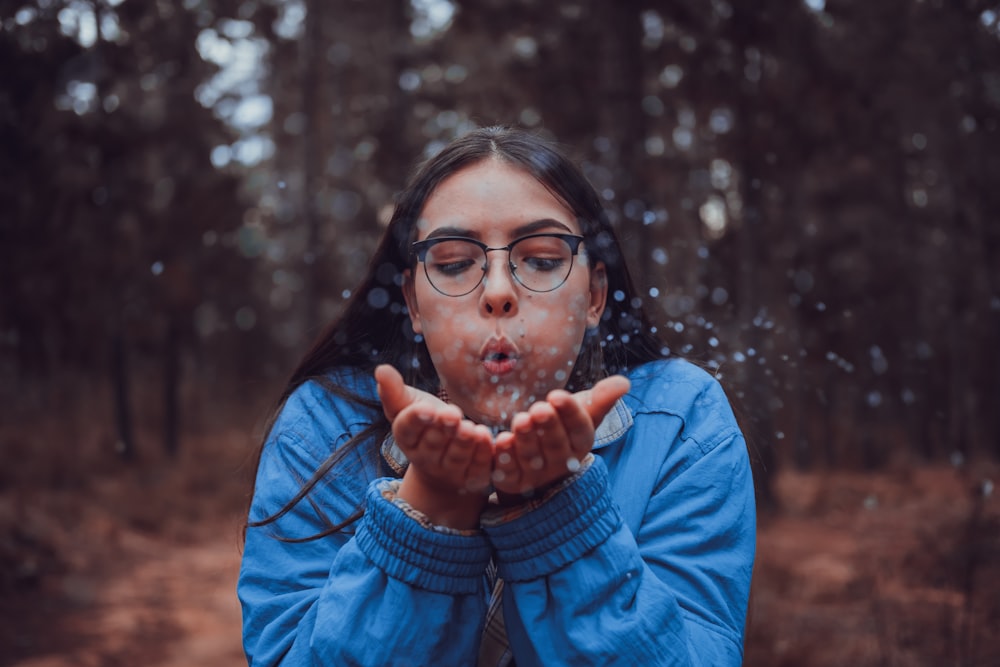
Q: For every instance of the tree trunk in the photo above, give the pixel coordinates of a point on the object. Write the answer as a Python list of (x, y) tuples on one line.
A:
[(311, 57), (751, 295), (125, 444), (622, 124), (171, 389)]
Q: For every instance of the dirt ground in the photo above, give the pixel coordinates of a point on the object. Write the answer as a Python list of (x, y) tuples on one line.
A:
[(895, 568)]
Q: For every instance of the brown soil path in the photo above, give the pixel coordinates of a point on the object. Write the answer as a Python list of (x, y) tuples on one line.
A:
[(867, 570), (153, 603)]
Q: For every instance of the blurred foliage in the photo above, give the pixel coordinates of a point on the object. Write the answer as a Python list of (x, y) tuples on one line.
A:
[(806, 189)]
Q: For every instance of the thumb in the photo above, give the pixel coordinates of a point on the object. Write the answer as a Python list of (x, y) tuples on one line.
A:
[(599, 399), (392, 391)]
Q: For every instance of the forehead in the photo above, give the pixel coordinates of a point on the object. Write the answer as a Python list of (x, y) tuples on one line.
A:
[(493, 198)]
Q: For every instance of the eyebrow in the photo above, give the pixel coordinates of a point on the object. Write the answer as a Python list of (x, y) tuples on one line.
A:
[(523, 230)]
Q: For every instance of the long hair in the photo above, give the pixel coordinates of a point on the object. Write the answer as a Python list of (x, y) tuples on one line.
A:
[(375, 327)]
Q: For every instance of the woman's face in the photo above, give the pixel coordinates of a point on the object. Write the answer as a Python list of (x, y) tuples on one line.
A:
[(501, 347)]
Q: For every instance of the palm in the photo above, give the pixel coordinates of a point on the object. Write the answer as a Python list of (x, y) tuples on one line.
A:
[(548, 442), (446, 451)]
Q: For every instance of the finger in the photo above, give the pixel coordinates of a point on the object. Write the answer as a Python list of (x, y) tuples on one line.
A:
[(547, 427), (529, 434), (599, 399), (579, 428), (506, 474), (459, 450), (481, 464), (392, 391), (410, 425), (436, 439), (582, 412), (482, 452)]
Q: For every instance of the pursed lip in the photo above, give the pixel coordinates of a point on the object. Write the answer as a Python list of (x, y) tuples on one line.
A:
[(498, 356)]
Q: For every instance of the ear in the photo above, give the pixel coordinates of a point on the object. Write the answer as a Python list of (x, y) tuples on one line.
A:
[(409, 294), (598, 295)]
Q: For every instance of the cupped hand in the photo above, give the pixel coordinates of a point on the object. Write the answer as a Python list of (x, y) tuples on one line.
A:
[(449, 456), (546, 443)]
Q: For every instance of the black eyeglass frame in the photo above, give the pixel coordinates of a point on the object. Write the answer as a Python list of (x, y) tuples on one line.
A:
[(419, 249)]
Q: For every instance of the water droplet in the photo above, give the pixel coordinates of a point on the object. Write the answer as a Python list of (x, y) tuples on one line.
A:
[(245, 318), (671, 75), (879, 363), (409, 80), (156, 268), (572, 464), (378, 298)]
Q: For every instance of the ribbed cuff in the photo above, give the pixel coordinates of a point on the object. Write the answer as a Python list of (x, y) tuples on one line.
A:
[(441, 562), (557, 532)]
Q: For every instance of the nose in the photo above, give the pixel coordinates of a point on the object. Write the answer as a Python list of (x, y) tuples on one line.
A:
[(499, 291)]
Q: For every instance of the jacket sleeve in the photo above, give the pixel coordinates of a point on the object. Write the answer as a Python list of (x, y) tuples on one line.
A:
[(581, 590), (392, 593)]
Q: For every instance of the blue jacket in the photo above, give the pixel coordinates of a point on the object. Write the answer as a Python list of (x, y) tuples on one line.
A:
[(645, 558)]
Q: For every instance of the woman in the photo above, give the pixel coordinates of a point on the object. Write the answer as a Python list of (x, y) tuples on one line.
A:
[(488, 460)]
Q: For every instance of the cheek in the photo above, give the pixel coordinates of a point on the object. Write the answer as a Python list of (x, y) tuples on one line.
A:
[(557, 328), (446, 331), (436, 312)]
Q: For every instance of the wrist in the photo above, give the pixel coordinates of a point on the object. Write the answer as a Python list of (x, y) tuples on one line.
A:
[(512, 499), (450, 508)]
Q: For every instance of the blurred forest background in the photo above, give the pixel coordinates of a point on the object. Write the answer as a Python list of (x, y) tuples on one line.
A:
[(807, 191)]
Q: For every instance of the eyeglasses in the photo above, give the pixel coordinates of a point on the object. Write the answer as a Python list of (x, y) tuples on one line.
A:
[(456, 265)]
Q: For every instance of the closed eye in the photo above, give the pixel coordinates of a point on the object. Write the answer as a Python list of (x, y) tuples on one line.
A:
[(453, 268), (544, 264)]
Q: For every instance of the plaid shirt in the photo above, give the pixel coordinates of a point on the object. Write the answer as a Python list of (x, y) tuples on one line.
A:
[(494, 649)]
